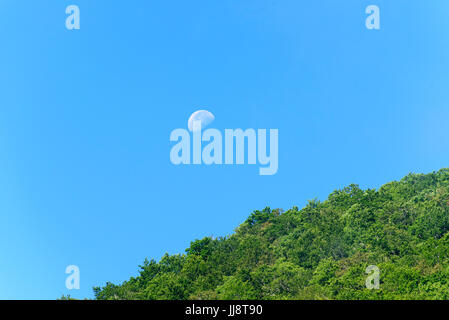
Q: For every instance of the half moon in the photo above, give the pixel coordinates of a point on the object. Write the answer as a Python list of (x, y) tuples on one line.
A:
[(204, 116)]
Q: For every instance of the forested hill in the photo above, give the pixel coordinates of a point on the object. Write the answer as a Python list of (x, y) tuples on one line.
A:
[(319, 252)]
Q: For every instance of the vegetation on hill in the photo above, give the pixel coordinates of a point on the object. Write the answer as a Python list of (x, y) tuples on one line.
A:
[(319, 252)]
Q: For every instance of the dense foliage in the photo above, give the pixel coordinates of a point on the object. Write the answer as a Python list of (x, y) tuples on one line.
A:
[(319, 252)]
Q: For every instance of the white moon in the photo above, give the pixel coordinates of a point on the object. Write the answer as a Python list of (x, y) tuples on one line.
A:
[(204, 116)]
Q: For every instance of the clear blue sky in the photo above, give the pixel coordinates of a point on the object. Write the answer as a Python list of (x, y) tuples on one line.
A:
[(85, 119)]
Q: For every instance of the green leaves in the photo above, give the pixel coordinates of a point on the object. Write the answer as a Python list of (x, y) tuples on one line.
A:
[(234, 288), (318, 252)]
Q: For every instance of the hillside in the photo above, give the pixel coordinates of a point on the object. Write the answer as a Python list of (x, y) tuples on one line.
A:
[(318, 252)]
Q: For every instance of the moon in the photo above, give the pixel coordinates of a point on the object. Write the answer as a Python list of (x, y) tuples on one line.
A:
[(204, 116)]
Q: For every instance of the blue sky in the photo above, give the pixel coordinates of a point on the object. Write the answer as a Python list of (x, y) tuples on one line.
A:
[(86, 115)]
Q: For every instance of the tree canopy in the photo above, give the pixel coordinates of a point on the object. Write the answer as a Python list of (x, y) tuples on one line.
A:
[(319, 252)]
